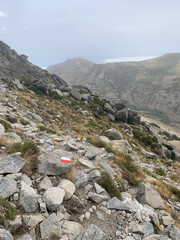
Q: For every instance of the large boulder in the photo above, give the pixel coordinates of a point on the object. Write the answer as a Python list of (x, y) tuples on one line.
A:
[(5, 235), (75, 94), (107, 107), (8, 186), (28, 198), (50, 162), (68, 187), (11, 164), (122, 116), (53, 197), (118, 104), (50, 227), (94, 233), (133, 118), (114, 134), (148, 195)]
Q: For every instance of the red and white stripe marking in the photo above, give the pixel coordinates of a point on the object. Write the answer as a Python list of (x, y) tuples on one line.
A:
[(65, 160)]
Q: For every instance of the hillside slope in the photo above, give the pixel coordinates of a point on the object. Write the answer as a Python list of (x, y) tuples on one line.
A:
[(151, 85)]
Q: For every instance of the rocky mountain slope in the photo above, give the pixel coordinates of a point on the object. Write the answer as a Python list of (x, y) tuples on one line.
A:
[(152, 85), (67, 172)]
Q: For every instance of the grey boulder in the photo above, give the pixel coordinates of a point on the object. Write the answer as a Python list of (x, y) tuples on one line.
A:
[(11, 164), (148, 195), (28, 198), (53, 197), (5, 235), (50, 227), (116, 204), (50, 163), (114, 134), (156, 237), (8, 186)]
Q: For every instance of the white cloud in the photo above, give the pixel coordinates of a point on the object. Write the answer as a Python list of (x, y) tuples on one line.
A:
[(2, 14), (4, 30), (126, 59)]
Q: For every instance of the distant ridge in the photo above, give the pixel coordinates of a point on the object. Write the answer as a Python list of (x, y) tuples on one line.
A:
[(151, 85)]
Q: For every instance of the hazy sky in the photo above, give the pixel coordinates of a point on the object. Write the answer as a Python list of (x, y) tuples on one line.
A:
[(51, 31)]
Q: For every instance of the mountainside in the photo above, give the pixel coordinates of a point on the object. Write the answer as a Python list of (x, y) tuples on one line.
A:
[(14, 66), (67, 172), (151, 85)]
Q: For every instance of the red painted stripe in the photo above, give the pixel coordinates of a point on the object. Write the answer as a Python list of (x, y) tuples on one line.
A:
[(65, 161)]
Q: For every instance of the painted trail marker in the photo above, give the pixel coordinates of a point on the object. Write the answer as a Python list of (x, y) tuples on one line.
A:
[(65, 160)]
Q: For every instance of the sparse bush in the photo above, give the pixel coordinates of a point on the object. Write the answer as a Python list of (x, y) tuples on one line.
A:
[(95, 141), (145, 139), (24, 122), (29, 151), (39, 90), (3, 142), (130, 171), (98, 101), (159, 171), (6, 125), (7, 211), (175, 177), (11, 119), (46, 129), (108, 184), (154, 125)]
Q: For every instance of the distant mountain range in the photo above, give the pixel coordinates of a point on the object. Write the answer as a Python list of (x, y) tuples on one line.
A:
[(152, 85)]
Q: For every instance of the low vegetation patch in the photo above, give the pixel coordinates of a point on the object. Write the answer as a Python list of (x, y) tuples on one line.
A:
[(154, 125), (108, 184), (145, 138), (95, 141), (170, 136), (131, 172), (29, 151), (11, 119), (175, 177), (7, 211), (166, 190), (46, 129), (24, 122), (159, 171), (6, 125)]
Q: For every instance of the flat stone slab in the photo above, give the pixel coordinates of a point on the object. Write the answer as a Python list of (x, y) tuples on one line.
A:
[(11, 164), (87, 163), (116, 204)]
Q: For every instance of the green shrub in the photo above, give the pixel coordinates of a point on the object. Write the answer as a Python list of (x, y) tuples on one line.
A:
[(159, 171), (7, 211), (98, 101), (6, 125), (46, 129), (175, 177), (107, 183), (39, 90), (145, 139)]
